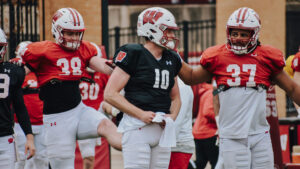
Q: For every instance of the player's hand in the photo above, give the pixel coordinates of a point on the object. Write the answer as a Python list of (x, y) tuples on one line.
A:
[(110, 63), (29, 146), (147, 116), (17, 61)]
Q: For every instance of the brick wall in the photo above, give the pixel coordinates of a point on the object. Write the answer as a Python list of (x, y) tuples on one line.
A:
[(90, 11)]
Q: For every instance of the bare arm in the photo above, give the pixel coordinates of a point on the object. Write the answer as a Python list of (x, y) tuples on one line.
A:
[(98, 64), (115, 84), (297, 80), (176, 102), (193, 76), (216, 104), (290, 86)]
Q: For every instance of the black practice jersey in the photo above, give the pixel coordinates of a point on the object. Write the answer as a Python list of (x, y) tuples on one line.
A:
[(11, 79), (151, 80)]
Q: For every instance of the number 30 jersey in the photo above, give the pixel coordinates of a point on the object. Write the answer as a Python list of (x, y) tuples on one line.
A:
[(11, 79), (151, 80), (242, 108)]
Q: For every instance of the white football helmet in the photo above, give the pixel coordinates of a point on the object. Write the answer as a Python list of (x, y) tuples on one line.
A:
[(21, 48), (69, 20), (99, 54), (247, 19), (3, 44), (153, 22)]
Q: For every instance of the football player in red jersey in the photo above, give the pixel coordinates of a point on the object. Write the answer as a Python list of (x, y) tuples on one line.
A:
[(35, 111), (95, 152), (11, 79), (59, 68), (243, 69), (147, 72)]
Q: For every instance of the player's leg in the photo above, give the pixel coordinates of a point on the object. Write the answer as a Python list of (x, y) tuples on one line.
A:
[(60, 134), (235, 153), (201, 158), (39, 160), (160, 157), (7, 152), (87, 150), (261, 151), (212, 151), (94, 124), (20, 140), (102, 155)]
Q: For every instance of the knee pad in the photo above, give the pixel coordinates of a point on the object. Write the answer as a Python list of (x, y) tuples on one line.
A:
[(160, 157), (136, 156), (262, 157)]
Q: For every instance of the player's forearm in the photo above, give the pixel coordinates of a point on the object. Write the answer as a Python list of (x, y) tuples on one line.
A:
[(99, 65), (119, 101), (175, 107)]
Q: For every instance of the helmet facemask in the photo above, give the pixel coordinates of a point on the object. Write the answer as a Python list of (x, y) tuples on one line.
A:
[(241, 46), (243, 19)]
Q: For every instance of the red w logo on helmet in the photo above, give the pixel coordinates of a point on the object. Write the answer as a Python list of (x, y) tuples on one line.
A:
[(151, 16)]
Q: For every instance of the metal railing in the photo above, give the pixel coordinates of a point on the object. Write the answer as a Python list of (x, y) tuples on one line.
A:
[(194, 36), (19, 20)]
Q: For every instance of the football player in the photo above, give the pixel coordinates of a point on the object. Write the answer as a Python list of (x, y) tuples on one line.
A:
[(34, 107), (243, 69), (12, 77), (92, 95), (59, 67), (185, 146), (147, 72), (296, 73)]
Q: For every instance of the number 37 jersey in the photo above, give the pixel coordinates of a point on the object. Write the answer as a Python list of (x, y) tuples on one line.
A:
[(243, 70), (151, 80)]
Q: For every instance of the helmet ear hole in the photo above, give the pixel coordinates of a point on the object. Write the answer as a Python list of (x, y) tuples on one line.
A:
[(153, 31)]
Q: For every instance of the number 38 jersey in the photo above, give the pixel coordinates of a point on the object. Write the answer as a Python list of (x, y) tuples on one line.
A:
[(58, 72), (151, 80), (243, 70), (11, 79), (49, 60), (242, 108)]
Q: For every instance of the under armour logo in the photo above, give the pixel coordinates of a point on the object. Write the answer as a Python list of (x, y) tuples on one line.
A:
[(7, 70), (169, 62)]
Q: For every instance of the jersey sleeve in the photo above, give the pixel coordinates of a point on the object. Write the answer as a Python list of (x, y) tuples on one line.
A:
[(18, 103), (277, 60), (89, 51), (178, 62), (33, 54), (125, 59), (296, 63), (208, 59)]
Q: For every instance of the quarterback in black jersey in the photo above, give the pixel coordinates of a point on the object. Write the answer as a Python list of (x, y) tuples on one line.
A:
[(148, 75), (11, 79)]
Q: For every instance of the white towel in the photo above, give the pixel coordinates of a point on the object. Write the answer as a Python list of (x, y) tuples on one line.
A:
[(168, 136)]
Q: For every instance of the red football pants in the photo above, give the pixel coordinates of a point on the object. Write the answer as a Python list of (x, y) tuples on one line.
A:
[(179, 160)]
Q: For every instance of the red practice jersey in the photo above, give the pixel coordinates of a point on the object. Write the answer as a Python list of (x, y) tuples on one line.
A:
[(31, 99), (92, 93), (49, 61), (243, 70)]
